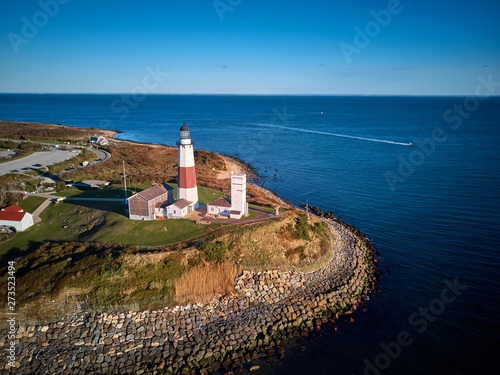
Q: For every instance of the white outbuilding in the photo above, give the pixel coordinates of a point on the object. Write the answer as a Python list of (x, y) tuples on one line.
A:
[(15, 217), (180, 209), (220, 206)]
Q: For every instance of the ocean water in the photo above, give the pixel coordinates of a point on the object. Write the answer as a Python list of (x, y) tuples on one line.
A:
[(432, 209)]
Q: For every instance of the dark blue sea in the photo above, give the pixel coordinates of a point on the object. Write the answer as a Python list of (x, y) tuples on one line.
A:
[(432, 209)]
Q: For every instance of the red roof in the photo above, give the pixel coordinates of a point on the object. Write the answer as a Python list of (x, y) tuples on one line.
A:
[(13, 208), (220, 202), (12, 213)]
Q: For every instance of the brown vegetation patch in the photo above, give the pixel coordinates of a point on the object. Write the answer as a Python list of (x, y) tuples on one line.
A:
[(36, 131), (206, 281), (280, 242), (137, 260)]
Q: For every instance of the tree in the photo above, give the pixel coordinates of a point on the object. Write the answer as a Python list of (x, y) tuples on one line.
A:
[(60, 185)]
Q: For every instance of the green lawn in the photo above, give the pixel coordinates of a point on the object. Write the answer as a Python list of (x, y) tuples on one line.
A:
[(94, 193), (100, 222), (251, 215), (105, 222), (30, 204), (205, 195), (263, 208)]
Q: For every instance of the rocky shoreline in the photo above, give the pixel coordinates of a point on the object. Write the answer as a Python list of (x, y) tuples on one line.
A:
[(264, 309)]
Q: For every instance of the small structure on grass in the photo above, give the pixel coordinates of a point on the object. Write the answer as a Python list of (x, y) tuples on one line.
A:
[(180, 209), (238, 206), (99, 140), (14, 216), (96, 184), (220, 206)]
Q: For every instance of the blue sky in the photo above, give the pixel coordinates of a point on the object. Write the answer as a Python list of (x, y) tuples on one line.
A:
[(244, 46)]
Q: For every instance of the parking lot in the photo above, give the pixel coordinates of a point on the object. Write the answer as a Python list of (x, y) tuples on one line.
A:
[(44, 158)]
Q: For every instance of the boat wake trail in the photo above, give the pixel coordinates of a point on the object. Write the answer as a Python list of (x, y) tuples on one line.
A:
[(332, 134)]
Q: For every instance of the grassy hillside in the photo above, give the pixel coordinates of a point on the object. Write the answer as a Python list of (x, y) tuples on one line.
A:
[(102, 221), (295, 241), (47, 132), (22, 149), (130, 277), (99, 222), (90, 251), (30, 204), (145, 164)]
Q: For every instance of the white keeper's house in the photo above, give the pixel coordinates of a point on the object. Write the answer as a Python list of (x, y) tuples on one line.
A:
[(15, 217)]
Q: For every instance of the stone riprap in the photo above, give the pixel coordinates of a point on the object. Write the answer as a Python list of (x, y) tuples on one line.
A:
[(265, 308)]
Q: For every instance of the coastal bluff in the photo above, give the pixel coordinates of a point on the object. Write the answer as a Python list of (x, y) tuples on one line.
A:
[(264, 309)]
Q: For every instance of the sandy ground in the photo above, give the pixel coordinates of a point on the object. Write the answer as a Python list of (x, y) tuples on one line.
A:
[(232, 165)]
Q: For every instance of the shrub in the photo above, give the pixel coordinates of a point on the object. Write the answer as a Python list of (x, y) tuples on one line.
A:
[(214, 251), (319, 227), (298, 250), (302, 227)]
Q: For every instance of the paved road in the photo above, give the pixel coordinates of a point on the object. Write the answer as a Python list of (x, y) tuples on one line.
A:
[(38, 211), (94, 199), (102, 155), (42, 157), (47, 158), (7, 153)]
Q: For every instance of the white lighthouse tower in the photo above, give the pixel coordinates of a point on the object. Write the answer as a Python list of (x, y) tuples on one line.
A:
[(186, 188)]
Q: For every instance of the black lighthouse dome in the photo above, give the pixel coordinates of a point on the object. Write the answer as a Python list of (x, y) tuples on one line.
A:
[(185, 132)]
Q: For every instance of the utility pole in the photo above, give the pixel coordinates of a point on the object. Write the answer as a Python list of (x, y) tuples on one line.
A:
[(124, 182)]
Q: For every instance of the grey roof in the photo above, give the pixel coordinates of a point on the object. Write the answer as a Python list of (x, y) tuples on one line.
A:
[(162, 205), (220, 202), (184, 128), (182, 203), (155, 191)]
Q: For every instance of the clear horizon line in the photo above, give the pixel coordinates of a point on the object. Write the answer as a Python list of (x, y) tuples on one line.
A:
[(233, 94)]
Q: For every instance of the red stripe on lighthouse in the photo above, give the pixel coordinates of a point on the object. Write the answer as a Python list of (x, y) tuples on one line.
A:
[(187, 177)]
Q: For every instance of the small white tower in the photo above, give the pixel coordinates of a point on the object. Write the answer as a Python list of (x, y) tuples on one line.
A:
[(239, 194), (186, 188)]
